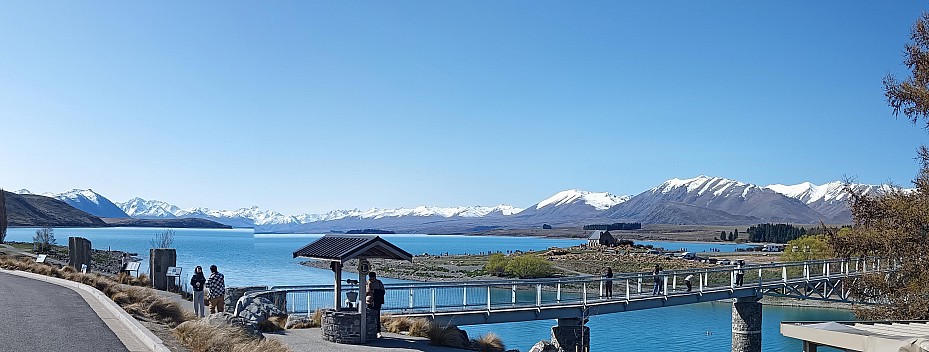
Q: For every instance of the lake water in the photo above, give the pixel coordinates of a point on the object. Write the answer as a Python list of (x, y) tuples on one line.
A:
[(266, 259)]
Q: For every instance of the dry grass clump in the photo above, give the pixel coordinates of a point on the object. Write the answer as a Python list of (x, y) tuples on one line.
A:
[(488, 343), (200, 336), (412, 326), (314, 321), (146, 302), (445, 336), (273, 324)]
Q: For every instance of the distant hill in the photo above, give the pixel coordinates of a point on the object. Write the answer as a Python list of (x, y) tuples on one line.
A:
[(87, 200), (182, 223), (31, 210)]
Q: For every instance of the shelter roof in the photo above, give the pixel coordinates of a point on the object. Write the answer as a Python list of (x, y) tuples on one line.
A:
[(345, 247), (864, 336)]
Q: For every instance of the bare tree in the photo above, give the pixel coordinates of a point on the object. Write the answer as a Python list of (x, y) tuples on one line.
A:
[(3, 219), (164, 239), (44, 239)]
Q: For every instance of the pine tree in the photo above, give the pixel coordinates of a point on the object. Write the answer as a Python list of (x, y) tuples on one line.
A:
[(722, 235)]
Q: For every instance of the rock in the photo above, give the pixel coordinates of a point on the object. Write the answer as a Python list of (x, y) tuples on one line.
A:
[(223, 319), (234, 293), (543, 346), (257, 310)]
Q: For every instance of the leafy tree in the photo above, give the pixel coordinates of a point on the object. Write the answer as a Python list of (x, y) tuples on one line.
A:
[(528, 267), (731, 237), (911, 96), (735, 235), (496, 264), (44, 239), (722, 235), (3, 219), (895, 224)]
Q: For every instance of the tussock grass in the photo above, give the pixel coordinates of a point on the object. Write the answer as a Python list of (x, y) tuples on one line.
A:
[(200, 336), (488, 343), (273, 324), (412, 326), (315, 321), (445, 336)]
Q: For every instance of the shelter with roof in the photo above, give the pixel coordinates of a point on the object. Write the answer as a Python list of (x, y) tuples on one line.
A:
[(861, 336), (601, 238), (339, 249)]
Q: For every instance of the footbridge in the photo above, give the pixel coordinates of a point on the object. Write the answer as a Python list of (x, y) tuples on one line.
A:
[(571, 300)]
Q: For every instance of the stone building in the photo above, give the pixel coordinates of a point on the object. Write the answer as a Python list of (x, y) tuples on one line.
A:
[(601, 238)]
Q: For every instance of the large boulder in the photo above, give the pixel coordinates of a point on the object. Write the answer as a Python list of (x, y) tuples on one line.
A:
[(234, 293), (543, 346), (226, 319), (257, 310)]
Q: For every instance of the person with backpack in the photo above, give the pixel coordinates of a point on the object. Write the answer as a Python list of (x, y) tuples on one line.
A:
[(374, 297)]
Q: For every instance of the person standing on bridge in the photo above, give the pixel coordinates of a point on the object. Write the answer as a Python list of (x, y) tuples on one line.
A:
[(374, 297), (608, 282), (739, 273), (689, 282), (657, 273)]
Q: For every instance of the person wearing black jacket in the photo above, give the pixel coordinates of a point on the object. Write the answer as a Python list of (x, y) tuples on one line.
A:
[(196, 282), (374, 297)]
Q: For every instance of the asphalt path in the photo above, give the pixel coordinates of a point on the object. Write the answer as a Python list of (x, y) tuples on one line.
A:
[(39, 316)]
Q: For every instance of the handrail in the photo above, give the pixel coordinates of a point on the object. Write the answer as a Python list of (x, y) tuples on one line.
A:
[(509, 293)]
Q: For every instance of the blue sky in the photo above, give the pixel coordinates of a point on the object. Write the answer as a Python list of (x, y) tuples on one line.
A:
[(312, 106)]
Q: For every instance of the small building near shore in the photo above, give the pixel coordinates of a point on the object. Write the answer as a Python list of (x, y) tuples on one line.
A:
[(601, 238)]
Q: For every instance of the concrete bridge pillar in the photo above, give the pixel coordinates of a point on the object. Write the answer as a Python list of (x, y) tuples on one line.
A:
[(571, 335), (746, 324)]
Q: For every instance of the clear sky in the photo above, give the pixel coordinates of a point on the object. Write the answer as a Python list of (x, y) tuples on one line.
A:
[(310, 106)]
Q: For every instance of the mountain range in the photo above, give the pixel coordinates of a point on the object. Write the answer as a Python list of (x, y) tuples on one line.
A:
[(700, 200)]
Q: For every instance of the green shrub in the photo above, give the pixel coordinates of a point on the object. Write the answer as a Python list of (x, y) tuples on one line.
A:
[(528, 267), (496, 264)]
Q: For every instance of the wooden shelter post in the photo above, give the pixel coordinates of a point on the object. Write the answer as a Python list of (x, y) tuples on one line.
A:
[(336, 267), (363, 268)]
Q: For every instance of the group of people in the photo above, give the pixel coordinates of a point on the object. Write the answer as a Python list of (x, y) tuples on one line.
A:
[(215, 287), (659, 284)]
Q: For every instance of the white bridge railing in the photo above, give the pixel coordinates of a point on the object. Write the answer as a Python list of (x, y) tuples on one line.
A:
[(495, 295)]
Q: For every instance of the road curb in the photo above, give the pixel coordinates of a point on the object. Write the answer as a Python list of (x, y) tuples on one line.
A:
[(145, 336)]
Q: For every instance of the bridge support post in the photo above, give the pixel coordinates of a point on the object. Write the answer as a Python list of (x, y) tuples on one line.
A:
[(746, 324), (571, 335)]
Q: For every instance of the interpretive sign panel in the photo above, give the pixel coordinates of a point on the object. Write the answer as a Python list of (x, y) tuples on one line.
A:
[(174, 271), (41, 258), (133, 266)]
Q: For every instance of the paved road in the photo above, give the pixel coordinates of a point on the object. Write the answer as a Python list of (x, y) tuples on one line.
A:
[(39, 316)]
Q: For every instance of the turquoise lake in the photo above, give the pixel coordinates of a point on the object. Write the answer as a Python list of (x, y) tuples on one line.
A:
[(266, 259)]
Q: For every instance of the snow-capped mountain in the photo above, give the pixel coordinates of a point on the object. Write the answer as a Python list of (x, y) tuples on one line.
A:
[(23, 191), (89, 201), (148, 209), (723, 200), (573, 205), (698, 200), (829, 199), (269, 221)]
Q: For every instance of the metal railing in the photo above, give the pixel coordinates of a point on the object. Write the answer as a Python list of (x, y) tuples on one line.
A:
[(496, 295)]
